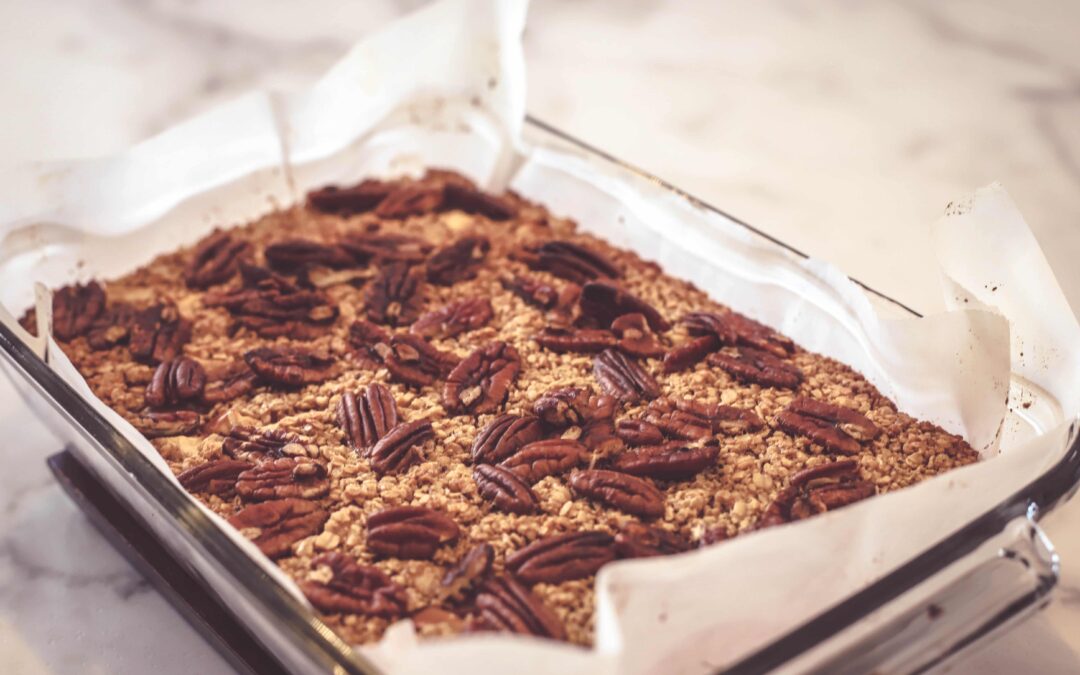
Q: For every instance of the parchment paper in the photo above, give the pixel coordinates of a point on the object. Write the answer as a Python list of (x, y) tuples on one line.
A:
[(445, 87)]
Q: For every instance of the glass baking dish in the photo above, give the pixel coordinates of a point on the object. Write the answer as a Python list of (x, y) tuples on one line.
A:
[(981, 579)]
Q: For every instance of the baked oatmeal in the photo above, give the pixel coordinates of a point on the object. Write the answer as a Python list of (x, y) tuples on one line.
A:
[(427, 401)]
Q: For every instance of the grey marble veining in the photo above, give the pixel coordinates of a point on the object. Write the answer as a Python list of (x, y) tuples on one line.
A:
[(841, 127)]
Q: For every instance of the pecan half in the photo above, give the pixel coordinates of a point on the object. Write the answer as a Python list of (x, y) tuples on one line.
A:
[(289, 366), (636, 540), (234, 382), (506, 605), (759, 336), (216, 477), (409, 532), (598, 434), (619, 490), (562, 557), (292, 255), (635, 338), (669, 461), (690, 352), (639, 432), (533, 291), (604, 302), (471, 200), (755, 366), (816, 490), (368, 417), (365, 335), (473, 567), (734, 421), (215, 260), (548, 457), (252, 444), (272, 328), (505, 489), (693, 421), (397, 450), (386, 248), (112, 327), (504, 436), (283, 478), (457, 261), (273, 306), (411, 199), (456, 318), (570, 261), (175, 381), (75, 308), (716, 324), (561, 408), (732, 328), (623, 378), (160, 423), (579, 340), (158, 333), (394, 297), (347, 201), (837, 428), (684, 419), (276, 525), (481, 382), (354, 589), (412, 360)]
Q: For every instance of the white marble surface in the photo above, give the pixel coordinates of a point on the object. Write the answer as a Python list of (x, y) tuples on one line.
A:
[(842, 127)]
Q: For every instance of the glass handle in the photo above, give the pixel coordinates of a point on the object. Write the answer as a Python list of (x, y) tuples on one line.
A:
[(1002, 583)]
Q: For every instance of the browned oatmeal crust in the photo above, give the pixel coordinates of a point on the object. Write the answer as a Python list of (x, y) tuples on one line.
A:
[(321, 378)]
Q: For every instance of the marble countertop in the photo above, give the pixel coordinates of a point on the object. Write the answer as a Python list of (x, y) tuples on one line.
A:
[(840, 127)]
